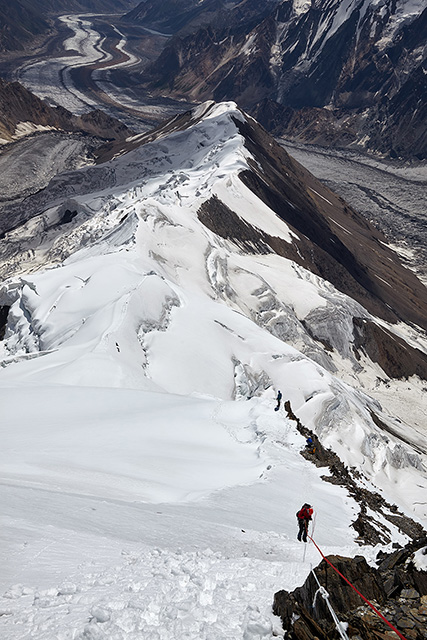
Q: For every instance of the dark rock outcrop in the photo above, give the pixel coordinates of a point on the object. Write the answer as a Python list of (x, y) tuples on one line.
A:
[(18, 104), (20, 23), (396, 588), (220, 219), (331, 239), (395, 356), (4, 310), (370, 530)]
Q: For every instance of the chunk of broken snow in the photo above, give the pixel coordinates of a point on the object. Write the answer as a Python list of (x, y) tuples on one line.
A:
[(420, 559)]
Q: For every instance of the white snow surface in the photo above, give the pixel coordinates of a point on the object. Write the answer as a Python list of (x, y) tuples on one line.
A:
[(132, 514), (149, 490), (420, 559), (301, 6)]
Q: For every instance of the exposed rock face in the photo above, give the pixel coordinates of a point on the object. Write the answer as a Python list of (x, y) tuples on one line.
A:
[(18, 105), (320, 71), (396, 358), (171, 16), (186, 16), (20, 23), (397, 589), (210, 65), (4, 310)]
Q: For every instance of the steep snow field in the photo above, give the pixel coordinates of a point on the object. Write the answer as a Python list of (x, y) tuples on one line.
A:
[(130, 514), (149, 489)]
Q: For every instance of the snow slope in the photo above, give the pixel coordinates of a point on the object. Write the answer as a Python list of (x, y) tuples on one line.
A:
[(149, 490), (132, 514)]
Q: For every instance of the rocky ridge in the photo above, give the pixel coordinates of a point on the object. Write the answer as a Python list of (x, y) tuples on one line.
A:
[(397, 588), (21, 111), (373, 527)]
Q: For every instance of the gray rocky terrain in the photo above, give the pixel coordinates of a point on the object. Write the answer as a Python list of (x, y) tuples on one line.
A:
[(396, 588), (392, 195)]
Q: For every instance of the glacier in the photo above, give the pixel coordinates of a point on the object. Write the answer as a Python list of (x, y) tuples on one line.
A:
[(148, 487)]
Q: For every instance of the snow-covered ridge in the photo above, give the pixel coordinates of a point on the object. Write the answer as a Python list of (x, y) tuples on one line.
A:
[(145, 285), (148, 486)]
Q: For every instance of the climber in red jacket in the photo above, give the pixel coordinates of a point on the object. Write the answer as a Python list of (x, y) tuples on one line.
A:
[(304, 517)]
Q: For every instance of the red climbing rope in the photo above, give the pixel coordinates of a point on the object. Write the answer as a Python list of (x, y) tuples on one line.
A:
[(358, 592)]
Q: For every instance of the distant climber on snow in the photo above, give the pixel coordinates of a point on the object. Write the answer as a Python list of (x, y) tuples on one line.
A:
[(304, 517), (310, 447), (279, 397)]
